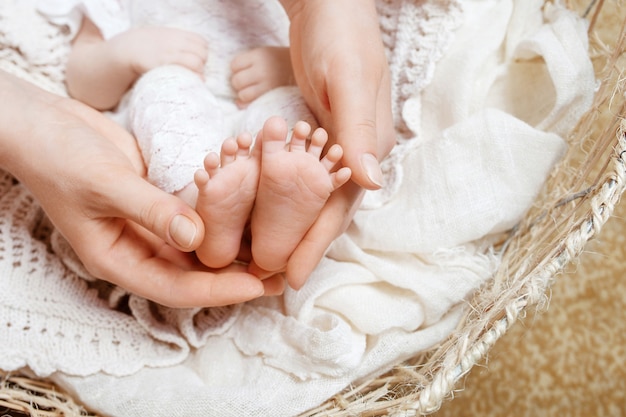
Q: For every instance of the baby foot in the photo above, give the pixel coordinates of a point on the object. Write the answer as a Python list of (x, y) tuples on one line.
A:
[(259, 70), (293, 187), (226, 190)]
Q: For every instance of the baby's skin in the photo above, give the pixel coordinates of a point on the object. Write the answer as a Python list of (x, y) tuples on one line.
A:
[(294, 186), (279, 185), (257, 71), (227, 189)]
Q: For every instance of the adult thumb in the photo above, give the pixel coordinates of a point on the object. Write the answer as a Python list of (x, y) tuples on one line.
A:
[(163, 214)]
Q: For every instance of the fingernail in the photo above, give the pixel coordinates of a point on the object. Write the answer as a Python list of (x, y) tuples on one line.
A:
[(183, 230), (372, 169)]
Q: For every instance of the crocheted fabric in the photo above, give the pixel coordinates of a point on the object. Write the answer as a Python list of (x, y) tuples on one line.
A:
[(37, 54)]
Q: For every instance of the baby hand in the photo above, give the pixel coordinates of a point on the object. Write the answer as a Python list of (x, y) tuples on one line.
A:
[(153, 46), (259, 70)]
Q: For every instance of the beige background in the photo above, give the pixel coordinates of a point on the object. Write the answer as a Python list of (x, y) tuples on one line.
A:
[(569, 360)]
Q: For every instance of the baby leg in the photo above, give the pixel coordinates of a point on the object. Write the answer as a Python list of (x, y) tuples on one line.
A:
[(226, 190), (176, 121), (293, 187)]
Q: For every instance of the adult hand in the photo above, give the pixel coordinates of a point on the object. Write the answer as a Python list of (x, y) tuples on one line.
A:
[(126, 231), (340, 66)]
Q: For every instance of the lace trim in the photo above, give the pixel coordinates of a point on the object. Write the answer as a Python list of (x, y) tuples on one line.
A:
[(416, 33)]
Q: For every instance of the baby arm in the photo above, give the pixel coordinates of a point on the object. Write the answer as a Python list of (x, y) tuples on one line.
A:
[(100, 71)]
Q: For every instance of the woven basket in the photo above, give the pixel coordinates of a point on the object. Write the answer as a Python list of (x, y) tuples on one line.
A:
[(577, 200)]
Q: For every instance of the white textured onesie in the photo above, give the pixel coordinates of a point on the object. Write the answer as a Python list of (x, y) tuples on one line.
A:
[(176, 117)]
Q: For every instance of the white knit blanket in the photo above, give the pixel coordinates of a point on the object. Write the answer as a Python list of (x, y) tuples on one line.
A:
[(483, 93)]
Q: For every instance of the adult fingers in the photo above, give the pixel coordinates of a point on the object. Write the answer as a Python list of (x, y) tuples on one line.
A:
[(354, 107), (170, 218), (384, 119), (146, 266), (139, 271), (171, 286)]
